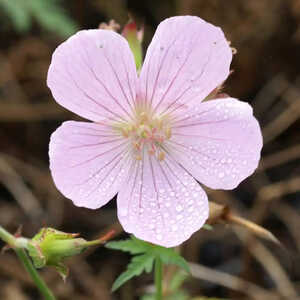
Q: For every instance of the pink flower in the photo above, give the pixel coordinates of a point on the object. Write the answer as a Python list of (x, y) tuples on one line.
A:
[(151, 137)]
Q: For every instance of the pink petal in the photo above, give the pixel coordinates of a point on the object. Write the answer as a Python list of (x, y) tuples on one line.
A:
[(161, 203), (186, 60), (88, 162), (218, 141), (93, 74)]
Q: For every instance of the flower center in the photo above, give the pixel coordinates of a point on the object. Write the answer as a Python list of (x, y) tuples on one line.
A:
[(147, 133)]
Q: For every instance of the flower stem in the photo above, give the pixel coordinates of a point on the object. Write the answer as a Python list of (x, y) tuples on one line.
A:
[(39, 282), (7, 237), (158, 278)]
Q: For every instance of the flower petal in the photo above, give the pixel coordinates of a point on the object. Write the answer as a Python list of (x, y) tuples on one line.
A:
[(218, 141), (185, 61), (93, 74), (88, 162), (161, 203)]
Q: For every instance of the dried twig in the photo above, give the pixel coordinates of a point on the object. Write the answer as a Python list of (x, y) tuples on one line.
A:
[(279, 158), (221, 213), (286, 118), (271, 264), (14, 183), (231, 282)]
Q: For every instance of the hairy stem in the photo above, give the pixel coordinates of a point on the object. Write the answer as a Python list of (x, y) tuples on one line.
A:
[(158, 278), (17, 244)]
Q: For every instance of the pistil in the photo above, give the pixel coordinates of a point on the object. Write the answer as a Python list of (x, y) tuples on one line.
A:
[(148, 133)]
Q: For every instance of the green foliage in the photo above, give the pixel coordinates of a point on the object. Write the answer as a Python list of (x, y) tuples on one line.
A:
[(205, 298), (208, 227), (177, 280), (50, 247), (136, 267), (174, 291), (132, 245), (180, 295), (47, 13), (145, 255)]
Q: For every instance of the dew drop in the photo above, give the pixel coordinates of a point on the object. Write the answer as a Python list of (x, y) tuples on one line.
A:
[(190, 209), (179, 208)]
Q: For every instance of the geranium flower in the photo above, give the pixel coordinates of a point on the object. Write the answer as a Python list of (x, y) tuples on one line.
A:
[(151, 138)]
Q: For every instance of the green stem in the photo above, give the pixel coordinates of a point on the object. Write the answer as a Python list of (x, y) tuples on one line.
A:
[(7, 237), (158, 278), (39, 282)]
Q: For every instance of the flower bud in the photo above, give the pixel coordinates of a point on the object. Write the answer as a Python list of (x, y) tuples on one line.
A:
[(49, 247), (134, 38)]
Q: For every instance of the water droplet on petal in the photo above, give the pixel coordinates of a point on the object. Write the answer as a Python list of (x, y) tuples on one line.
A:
[(179, 208), (221, 175)]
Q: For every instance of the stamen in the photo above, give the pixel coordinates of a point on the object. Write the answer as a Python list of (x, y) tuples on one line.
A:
[(137, 145), (125, 132), (143, 118), (161, 156), (151, 151), (147, 131), (168, 133)]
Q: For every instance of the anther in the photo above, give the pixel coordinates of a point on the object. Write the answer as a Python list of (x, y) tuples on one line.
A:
[(161, 156), (137, 145), (143, 118), (168, 133), (124, 132), (151, 151)]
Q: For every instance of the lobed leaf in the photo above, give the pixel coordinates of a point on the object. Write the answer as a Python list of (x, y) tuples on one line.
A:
[(170, 256), (136, 267), (132, 245)]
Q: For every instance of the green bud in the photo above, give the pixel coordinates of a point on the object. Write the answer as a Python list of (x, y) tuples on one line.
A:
[(134, 38), (50, 247)]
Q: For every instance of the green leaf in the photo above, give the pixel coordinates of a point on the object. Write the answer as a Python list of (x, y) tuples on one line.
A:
[(49, 14), (136, 267), (179, 295), (177, 280), (62, 270), (132, 245), (52, 17), (18, 14), (37, 256), (170, 256), (146, 255)]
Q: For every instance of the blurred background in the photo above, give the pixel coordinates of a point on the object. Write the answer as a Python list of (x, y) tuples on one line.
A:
[(228, 263)]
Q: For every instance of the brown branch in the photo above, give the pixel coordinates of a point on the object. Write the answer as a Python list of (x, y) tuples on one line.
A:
[(31, 112), (271, 265), (286, 118), (231, 282), (278, 158)]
